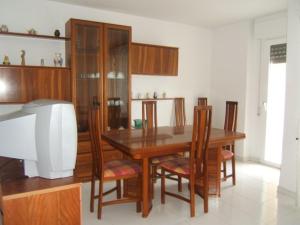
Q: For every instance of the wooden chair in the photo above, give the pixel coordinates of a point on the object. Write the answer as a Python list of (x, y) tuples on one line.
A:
[(115, 170), (149, 114), (180, 118), (228, 150), (193, 168), (149, 120), (202, 101)]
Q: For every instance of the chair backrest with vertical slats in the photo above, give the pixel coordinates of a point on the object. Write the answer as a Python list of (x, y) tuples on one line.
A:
[(149, 114), (180, 118), (200, 138), (231, 116), (95, 136), (202, 101)]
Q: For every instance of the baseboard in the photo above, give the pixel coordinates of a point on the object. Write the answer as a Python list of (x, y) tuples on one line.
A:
[(286, 192)]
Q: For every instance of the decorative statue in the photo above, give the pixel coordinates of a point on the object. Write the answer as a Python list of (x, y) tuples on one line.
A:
[(3, 28), (23, 57), (32, 31), (58, 60), (42, 62), (6, 60), (56, 33)]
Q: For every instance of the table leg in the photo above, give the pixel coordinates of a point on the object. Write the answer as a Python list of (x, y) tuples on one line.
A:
[(146, 187), (219, 162)]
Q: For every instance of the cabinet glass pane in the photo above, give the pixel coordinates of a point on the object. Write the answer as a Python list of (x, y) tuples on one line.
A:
[(88, 58), (117, 78)]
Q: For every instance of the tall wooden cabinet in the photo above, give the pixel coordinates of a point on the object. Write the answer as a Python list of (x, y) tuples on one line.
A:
[(99, 57)]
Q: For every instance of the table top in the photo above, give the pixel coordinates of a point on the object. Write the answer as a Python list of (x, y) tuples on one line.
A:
[(137, 142)]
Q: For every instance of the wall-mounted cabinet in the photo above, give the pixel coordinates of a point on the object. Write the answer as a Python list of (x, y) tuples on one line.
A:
[(21, 84), (99, 57), (154, 60)]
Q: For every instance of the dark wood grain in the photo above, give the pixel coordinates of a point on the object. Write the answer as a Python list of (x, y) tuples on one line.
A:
[(24, 84), (36, 201), (144, 144), (154, 60), (141, 143), (90, 50)]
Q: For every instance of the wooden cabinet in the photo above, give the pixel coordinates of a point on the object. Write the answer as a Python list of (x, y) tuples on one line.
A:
[(41, 202), (154, 60), (99, 57), (21, 84)]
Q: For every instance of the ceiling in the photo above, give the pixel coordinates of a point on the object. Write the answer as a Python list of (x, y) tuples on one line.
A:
[(207, 13)]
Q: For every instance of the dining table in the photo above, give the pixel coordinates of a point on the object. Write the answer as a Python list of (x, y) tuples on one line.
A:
[(144, 144)]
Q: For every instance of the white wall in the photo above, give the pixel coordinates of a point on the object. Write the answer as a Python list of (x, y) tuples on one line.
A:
[(229, 73), (265, 28), (292, 110), (194, 47), (236, 75)]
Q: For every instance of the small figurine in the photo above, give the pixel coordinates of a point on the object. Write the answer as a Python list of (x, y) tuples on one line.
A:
[(57, 33), (155, 94), (3, 28), (138, 95), (23, 57), (42, 62), (58, 60), (6, 60), (164, 95), (32, 31), (147, 95)]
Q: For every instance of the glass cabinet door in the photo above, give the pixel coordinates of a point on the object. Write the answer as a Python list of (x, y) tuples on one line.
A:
[(117, 77), (88, 42)]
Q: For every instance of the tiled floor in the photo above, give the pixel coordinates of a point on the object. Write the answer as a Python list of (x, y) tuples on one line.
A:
[(253, 201)]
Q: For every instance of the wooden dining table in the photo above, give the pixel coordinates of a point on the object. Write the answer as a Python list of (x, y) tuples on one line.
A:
[(144, 144)]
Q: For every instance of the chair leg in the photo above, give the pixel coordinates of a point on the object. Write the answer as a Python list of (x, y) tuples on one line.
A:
[(163, 187), (224, 171), (192, 198), (152, 180), (92, 200), (139, 194), (233, 170), (205, 195), (179, 184), (154, 174), (100, 198), (119, 192)]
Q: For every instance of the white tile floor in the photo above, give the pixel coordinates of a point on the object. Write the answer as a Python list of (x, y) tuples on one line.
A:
[(253, 201)]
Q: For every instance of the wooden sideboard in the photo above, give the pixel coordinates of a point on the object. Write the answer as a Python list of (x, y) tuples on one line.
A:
[(154, 60), (41, 201)]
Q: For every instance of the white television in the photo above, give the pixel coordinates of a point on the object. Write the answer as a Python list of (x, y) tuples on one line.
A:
[(52, 144)]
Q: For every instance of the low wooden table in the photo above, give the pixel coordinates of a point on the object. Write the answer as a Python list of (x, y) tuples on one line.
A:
[(143, 144)]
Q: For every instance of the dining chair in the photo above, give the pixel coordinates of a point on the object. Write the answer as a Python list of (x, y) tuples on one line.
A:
[(180, 118), (202, 101), (228, 152), (149, 114), (149, 121), (115, 170), (193, 168)]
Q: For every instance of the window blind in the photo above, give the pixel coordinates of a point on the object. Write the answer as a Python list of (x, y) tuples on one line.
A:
[(278, 53)]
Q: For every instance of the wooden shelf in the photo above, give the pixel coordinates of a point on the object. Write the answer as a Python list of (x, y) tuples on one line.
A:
[(31, 66), (34, 36), (151, 99)]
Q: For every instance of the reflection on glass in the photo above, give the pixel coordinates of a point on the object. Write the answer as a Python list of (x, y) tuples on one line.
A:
[(117, 78), (88, 73)]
